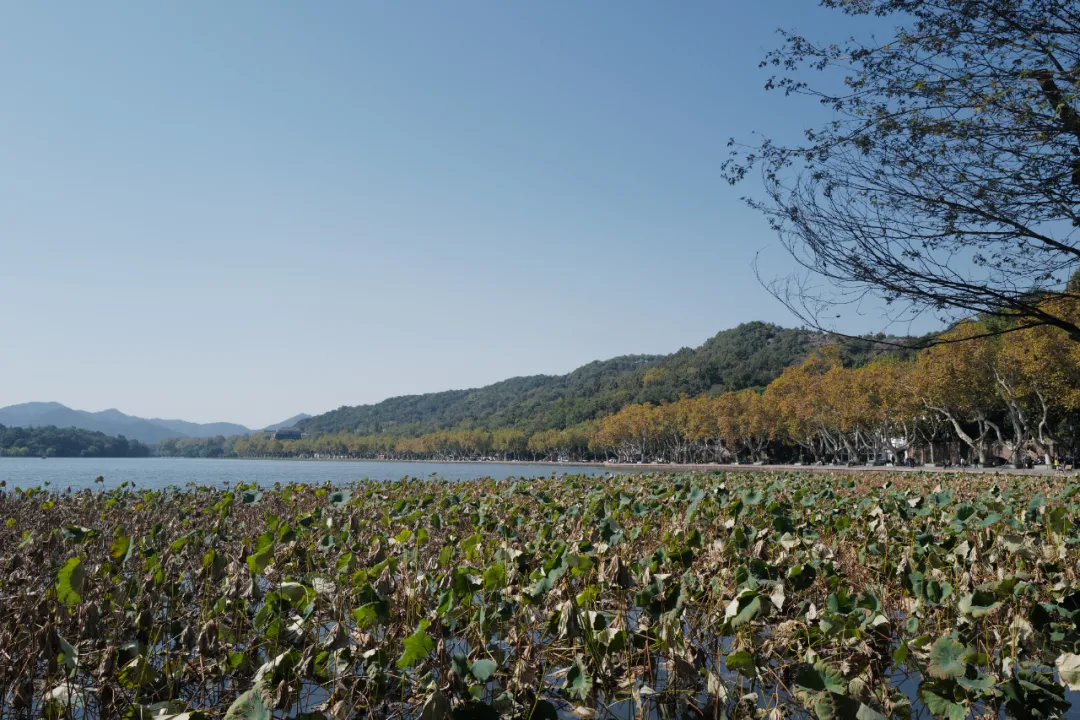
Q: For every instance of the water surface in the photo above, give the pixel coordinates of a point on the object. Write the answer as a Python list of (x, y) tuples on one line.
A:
[(79, 473)]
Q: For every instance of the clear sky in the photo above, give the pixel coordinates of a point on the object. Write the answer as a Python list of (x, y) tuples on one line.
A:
[(244, 210)]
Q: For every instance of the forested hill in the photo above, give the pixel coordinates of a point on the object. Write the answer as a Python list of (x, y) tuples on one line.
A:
[(51, 441), (750, 355)]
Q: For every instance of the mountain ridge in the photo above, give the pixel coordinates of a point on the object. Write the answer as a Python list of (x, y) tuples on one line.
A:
[(286, 423), (114, 423), (750, 355)]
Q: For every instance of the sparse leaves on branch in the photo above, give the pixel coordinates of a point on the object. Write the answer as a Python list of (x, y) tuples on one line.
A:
[(948, 177)]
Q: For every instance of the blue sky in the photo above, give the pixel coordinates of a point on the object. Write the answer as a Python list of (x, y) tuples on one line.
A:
[(239, 211)]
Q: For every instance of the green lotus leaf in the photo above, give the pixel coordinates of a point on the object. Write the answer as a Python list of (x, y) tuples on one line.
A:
[(743, 609), (483, 669), (742, 662), (578, 683), (821, 677), (939, 701), (339, 498), (978, 603), (417, 646), (978, 684), (249, 705), (69, 582), (261, 559), (1033, 694), (121, 548), (947, 659)]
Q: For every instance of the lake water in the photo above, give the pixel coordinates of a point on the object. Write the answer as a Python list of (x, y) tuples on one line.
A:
[(79, 473)]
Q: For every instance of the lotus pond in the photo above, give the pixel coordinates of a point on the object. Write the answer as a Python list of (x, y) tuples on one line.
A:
[(696, 595)]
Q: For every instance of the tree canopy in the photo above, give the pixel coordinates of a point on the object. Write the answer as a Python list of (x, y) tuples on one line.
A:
[(52, 441), (948, 179)]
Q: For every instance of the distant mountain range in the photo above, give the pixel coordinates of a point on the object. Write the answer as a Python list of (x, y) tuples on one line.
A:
[(748, 356), (287, 423), (114, 422)]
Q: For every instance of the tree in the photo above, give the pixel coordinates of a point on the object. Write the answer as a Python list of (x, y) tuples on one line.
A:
[(948, 180), (898, 415), (545, 444), (633, 432), (1038, 378), (757, 422), (701, 418), (509, 443), (956, 381), (575, 440), (847, 411), (798, 396), (728, 424)]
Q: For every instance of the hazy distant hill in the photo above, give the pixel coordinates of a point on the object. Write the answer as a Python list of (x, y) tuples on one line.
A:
[(750, 355), (113, 422), (110, 422), (287, 423), (183, 428)]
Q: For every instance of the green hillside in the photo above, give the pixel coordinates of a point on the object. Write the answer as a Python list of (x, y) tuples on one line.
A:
[(747, 356)]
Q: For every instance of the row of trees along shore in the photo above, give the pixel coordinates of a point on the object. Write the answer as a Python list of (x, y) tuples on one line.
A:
[(986, 391)]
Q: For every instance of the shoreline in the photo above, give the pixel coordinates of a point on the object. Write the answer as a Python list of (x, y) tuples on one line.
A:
[(1038, 471), (583, 463)]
